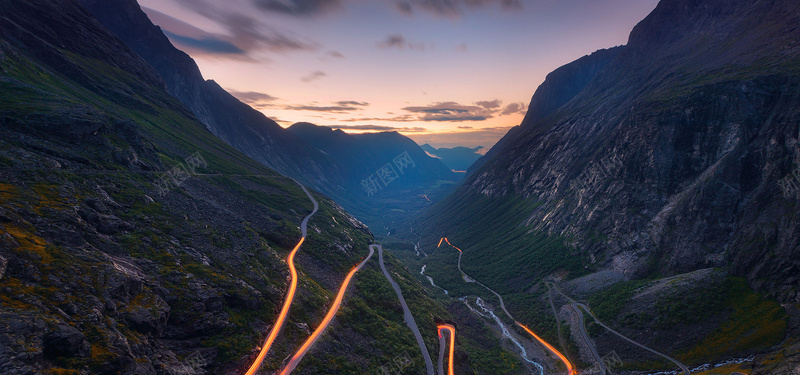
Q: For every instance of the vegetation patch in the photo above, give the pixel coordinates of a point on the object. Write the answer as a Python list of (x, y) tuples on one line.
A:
[(755, 323)]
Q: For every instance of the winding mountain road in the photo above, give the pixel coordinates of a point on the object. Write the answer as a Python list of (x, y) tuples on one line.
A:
[(577, 306), (326, 321), (570, 369), (289, 295), (558, 321), (452, 330), (588, 341), (407, 317), (673, 360)]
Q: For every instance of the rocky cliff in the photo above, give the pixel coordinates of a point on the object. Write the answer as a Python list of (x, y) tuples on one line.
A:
[(676, 155), (558, 88), (672, 155)]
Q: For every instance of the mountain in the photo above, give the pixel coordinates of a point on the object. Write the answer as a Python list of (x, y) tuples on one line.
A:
[(134, 241), (236, 123), (456, 158), (260, 138), (385, 174), (675, 153), (365, 154), (558, 88)]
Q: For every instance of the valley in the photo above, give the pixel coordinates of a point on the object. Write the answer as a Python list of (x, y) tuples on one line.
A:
[(641, 219)]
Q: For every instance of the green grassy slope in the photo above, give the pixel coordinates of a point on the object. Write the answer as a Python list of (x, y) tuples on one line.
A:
[(148, 281)]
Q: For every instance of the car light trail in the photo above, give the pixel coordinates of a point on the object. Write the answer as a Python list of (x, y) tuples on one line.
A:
[(440, 242), (570, 370), (448, 327), (448, 242), (282, 316), (325, 322)]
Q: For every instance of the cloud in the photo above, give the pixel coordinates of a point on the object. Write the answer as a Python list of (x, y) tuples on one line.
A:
[(514, 108), (450, 112), (343, 106), (353, 103), (247, 32), (381, 128), (316, 108), (258, 100), (313, 76), (206, 44), (279, 120), (299, 8), (334, 54), (195, 40), (451, 8), (244, 31), (462, 47), (490, 104), (399, 42), (455, 112), (401, 118), (465, 127)]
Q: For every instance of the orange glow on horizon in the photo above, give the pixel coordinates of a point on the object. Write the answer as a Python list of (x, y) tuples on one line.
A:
[(324, 324), (284, 312), (570, 370), (452, 330)]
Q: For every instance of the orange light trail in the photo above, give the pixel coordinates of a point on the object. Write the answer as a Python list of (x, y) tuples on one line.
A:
[(284, 312), (570, 370), (452, 344), (440, 242), (321, 328), (448, 242)]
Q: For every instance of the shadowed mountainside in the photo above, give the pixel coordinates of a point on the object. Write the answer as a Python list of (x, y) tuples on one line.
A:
[(132, 240), (674, 153)]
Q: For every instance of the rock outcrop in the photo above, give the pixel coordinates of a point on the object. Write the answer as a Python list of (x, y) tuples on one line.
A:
[(676, 154)]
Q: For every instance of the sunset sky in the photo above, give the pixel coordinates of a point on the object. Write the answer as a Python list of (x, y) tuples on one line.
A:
[(445, 72)]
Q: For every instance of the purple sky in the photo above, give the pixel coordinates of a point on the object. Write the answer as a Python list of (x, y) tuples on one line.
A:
[(445, 72)]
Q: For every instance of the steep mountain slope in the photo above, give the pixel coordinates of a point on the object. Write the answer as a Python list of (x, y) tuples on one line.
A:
[(134, 241), (672, 154), (558, 88), (241, 126), (678, 154), (259, 137), (456, 158)]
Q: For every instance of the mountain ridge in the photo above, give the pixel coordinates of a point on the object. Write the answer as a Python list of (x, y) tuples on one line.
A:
[(132, 240), (671, 159), (235, 122), (595, 137)]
